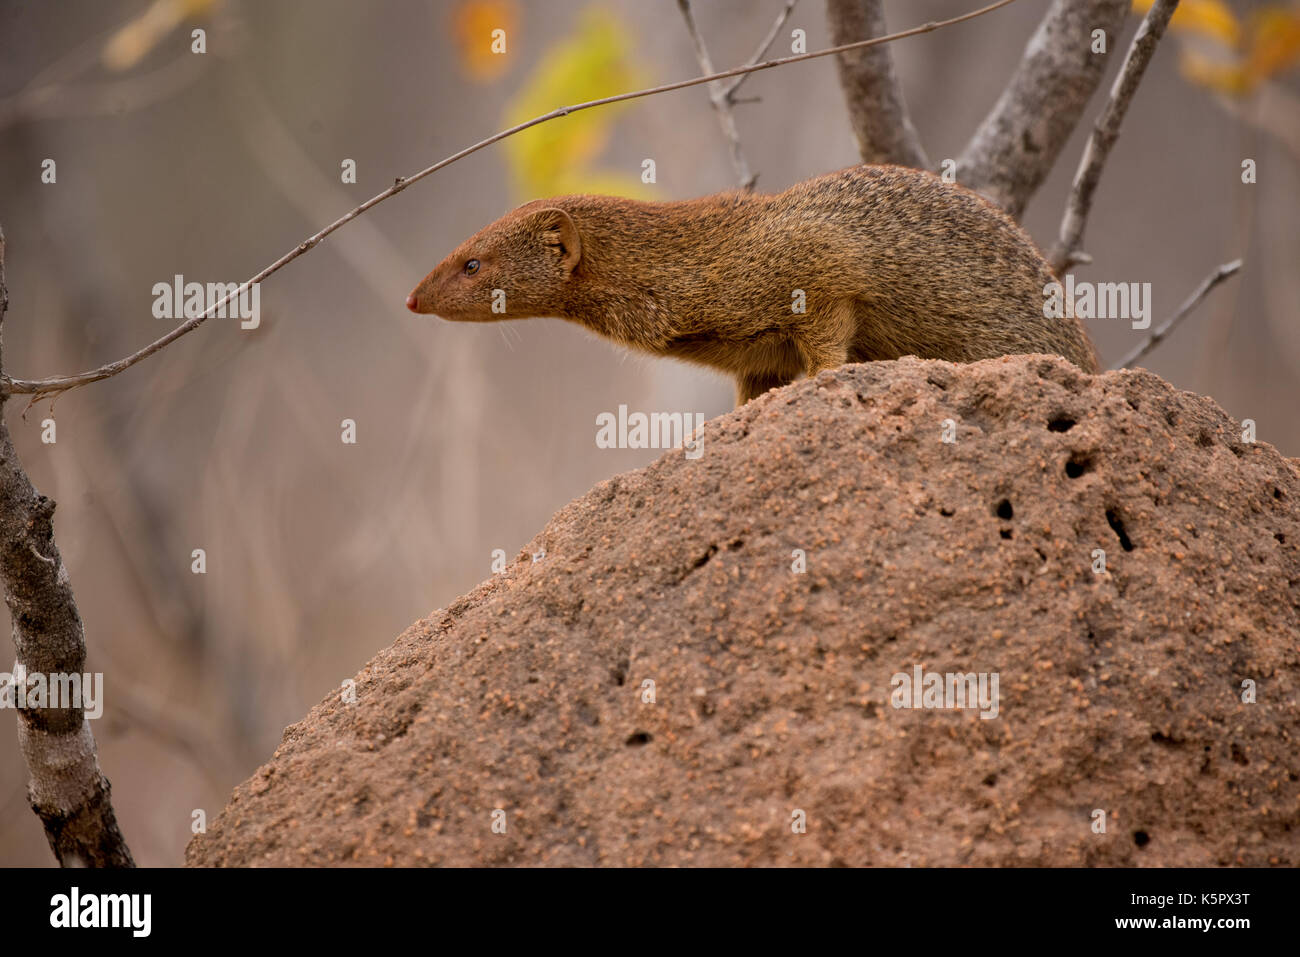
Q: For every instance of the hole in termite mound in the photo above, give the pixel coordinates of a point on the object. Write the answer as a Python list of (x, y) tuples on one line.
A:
[(1078, 464), (1117, 526)]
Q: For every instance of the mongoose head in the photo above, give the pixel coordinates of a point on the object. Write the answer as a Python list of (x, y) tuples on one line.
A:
[(514, 268)]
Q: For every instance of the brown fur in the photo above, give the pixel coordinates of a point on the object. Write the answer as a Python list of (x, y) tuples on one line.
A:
[(892, 262)]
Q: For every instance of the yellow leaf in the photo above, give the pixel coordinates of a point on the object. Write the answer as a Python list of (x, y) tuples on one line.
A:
[(605, 182), (133, 41), (1216, 74), (1274, 42), (473, 25), (1207, 18), (556, 156)]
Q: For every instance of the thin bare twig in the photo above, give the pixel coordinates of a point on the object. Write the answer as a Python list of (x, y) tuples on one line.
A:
[(877, 110), (86, 99), (1104, 134), (54, 93), (721, 104), (1166, 327), (49, 387), (761, 50)]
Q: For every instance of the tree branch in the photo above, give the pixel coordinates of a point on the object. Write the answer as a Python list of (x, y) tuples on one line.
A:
[(1166, 327), (1014, 148), (877, 111), (762, 49), (1105, 132), (76, 101), (720, 100), (67, 790), (53, 386)]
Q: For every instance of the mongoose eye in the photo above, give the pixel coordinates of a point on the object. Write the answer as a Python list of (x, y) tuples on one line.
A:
[(471, 267)]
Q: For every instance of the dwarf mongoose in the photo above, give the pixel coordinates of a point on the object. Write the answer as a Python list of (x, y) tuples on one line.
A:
[(872, 262)]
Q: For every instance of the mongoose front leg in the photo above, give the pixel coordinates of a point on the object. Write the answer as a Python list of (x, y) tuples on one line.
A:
[(750, 385), (824, 343)]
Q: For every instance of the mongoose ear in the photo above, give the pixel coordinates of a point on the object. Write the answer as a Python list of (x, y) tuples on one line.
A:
[(559, 230)]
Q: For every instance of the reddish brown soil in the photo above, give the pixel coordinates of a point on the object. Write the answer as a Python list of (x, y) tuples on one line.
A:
[(1120, 691)]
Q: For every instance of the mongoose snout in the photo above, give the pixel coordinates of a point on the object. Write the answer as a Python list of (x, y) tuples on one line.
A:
[(516, 268)]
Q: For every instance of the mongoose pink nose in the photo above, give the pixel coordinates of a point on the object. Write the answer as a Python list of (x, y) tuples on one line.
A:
[(410, 302)]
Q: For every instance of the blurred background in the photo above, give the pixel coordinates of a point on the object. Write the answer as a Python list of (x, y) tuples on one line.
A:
[(468, 437)]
